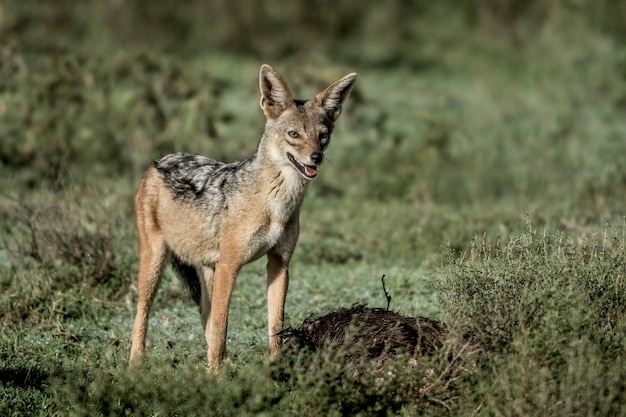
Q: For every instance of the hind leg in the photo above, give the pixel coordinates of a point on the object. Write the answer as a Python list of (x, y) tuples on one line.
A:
[(151, 260), (206, 286), (152, 256)]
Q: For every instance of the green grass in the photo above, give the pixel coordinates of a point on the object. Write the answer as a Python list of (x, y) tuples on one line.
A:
[(478, 165)]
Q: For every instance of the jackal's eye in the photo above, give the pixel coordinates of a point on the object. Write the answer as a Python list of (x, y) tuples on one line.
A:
[(323, 137), (293, 134)]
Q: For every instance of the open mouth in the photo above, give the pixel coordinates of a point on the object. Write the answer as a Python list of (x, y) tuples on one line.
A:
[(308, 171)]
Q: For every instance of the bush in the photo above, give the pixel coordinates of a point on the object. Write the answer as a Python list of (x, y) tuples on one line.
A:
[(550, 315), (66, 113), (60, 246)]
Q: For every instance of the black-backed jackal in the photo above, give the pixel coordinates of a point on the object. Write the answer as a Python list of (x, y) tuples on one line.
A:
[(210, 218)]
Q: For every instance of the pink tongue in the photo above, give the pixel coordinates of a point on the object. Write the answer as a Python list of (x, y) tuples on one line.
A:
[(310, 171)]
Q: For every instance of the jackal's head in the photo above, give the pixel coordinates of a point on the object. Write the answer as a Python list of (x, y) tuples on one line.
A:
[(297, 132)]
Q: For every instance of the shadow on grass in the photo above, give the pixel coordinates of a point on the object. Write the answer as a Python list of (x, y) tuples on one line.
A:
[(23, 376)]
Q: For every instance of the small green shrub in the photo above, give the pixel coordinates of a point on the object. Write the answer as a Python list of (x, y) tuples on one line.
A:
[(62, 232), (550, 314), (60, 247)]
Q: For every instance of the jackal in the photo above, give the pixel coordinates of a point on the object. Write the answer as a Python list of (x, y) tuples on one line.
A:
[(210, 218)]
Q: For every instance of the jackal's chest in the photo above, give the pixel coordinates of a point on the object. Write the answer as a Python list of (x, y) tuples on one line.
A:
[(265, 220), (263, 238)]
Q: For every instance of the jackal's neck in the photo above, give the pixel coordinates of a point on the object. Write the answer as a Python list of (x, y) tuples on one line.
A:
[(278, 176), (280, 184)]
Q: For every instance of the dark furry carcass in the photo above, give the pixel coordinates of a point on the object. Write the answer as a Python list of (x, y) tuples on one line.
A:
[(361, 333)]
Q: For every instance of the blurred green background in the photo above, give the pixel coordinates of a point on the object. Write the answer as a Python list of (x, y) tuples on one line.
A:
[(467, 116), (457, 102)]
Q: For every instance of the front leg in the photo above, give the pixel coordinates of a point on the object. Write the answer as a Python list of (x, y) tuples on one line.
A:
[(277, 285), (215, 333), (278, 281)]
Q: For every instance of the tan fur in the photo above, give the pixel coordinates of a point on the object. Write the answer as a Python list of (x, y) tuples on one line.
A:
[(259, 216)]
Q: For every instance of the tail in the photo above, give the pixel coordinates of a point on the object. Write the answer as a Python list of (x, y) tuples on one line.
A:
[(189, 276)]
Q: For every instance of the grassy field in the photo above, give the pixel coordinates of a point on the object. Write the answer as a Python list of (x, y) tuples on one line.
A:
[(479, 165)]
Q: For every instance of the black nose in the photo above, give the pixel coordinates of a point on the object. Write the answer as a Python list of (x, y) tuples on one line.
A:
[(317, 158)]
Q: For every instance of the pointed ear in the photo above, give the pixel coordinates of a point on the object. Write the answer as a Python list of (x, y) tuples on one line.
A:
[(275, 95), (335, 94)]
